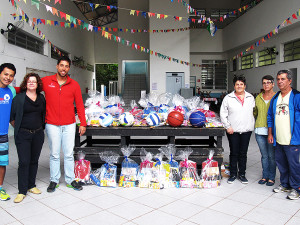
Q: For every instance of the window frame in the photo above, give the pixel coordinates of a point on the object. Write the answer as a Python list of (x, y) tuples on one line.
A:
[(292, 48), (26, 41), (213, 66), (244, 58), (273, 57)]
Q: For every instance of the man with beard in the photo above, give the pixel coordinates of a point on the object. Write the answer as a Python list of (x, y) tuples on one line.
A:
[(61, 92)]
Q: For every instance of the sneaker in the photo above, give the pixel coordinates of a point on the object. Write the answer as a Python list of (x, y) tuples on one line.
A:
[(243, 179), (280, 188), (231, 179), (52, 186), (75, 185), (3, 195), (293, 195), (19, 198), (35, 190)]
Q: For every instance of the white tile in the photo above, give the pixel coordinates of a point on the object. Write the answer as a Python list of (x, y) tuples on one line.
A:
[(212, 217), (15, 223), (45, 194), (10, 189), (266, 216), (12, 179), (6, 217), (47, 218), (294, 221), (78, 210), (259, 189), (186, 222), (90, 191), (244, 222), (60, 200), (221, 191), (177, 193), (129, 223), (181, 209), (10, 203), (275, 204), (231, 207), (157, 218), (107, 200), (132, 193), (154, 200), (202, 199), (27, 209), (130, 210), (105, 218), (248, 197)]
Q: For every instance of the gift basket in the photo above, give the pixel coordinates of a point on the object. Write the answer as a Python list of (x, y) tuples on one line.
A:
[(174, 177), (108, 171), (160, 173), (189, 177), (210, 174), (115, 106), (149, 103), (82, 168), (129, 168), (137, 113), (179, 105), (95, 105), (145, 170), (163, 105)]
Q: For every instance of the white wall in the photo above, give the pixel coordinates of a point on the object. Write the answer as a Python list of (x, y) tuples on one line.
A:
[(76, 42), (175, 45), (251, 27)]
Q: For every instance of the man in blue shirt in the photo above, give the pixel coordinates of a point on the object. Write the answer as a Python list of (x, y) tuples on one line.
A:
[(7, 93)]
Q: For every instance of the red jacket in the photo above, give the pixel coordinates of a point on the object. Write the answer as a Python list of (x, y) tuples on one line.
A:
[(60, 101)]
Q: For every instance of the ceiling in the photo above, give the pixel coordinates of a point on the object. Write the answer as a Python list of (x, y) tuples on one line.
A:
[(100, 16)]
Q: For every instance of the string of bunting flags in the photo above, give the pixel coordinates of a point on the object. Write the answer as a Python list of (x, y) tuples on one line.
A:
[(270, 34), (23, 16)]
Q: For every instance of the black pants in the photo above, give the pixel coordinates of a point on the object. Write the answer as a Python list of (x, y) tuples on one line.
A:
[(29, 146), (238, 144)]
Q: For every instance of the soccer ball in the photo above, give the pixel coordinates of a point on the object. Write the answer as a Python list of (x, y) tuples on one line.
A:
[(126, 119)]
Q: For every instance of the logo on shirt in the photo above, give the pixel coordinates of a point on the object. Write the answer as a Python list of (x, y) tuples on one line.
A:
[(5, 99), (51, 85), (282, 109)]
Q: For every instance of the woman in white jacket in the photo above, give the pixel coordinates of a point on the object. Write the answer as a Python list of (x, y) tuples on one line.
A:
[(237, 116)]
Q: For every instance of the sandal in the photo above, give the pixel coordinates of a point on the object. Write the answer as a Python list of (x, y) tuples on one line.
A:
[(270, 183), (262, 181)]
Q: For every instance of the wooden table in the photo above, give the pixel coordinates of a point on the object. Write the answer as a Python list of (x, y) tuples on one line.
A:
[(201, 140)]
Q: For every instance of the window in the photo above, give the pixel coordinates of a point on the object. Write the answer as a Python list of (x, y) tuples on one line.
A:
[(292, 51), (247, 61), (267, 57), (57, 53), (214, 74), (25, 40)]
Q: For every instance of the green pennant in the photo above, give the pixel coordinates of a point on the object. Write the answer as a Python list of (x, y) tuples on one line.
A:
[(73, 19), (86, 25), (36, 3), (123, 42)]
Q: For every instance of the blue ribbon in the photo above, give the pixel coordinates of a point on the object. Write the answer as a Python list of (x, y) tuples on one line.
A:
[(106, 165), (126, 158), (171, 160), (158, 162)]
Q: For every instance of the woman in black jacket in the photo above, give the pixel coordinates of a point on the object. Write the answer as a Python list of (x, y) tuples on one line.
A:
[(28, 118)]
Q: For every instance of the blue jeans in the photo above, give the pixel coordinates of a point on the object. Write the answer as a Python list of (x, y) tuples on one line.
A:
[(267, 157), (288, 161), (61, 137)]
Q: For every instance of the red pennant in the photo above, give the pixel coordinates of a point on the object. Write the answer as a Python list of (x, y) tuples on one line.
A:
[(115, 29), (108, 8), (62, 15), (62, 24), (43, 21), (137, 12), (294, 16), (288, 21), (221, 19)]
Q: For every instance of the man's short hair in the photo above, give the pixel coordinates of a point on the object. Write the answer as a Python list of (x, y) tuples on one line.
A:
[(288, 73), (64, 58), (239, 78), (9, 66), (267, 77)]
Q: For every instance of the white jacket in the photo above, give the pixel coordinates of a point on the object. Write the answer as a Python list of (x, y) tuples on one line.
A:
[(234, 114)]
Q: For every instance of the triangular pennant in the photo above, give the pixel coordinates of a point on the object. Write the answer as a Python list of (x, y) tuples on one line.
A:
[(36, 3), (54, 11), (57, 1), (62, 15)]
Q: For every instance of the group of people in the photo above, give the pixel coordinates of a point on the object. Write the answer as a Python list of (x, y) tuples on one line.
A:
[(274, 117), (275, 120), (30, 112)]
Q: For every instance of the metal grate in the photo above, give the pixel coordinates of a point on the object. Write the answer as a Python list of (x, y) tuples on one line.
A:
[(214, 74), (292, 50)]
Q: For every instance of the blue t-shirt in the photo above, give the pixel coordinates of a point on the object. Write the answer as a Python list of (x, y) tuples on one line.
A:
[(6, 96)]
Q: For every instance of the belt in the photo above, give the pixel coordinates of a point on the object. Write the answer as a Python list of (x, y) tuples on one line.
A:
[(31, 131)]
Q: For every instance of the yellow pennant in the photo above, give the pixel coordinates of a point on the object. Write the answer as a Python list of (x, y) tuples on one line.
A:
[(132, 12)]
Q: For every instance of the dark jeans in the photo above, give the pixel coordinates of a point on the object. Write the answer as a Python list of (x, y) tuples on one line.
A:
[(238, 144), (287, 160), (267, 157), (29, 146)]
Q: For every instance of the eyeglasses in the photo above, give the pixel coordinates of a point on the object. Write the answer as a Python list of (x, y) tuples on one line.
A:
[(31, 82), (267, 83)]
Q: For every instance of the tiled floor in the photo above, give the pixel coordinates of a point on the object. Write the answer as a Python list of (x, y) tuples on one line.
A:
[(227, 204)]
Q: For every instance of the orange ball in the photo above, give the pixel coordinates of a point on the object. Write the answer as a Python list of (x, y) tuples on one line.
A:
[(175, 118)]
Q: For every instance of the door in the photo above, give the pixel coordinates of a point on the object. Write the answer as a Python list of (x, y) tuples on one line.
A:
[(174, 82)]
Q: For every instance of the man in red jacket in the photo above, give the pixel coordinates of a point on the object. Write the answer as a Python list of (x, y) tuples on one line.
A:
[(61, 92)]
